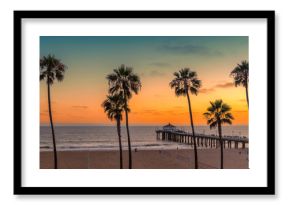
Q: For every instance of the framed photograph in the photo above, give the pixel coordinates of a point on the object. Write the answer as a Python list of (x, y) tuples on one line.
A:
[(144, 102)]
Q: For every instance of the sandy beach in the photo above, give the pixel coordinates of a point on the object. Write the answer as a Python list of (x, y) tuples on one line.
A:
[(146, 159)]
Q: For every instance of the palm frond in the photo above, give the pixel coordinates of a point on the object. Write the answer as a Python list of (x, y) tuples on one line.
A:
[(176, 74), (180, 91), (226, 121), (185, 81), (213, 124), (218, 112), (124, 81), (193, 90), (114, 105), (241, 74), (225, 108), (112, 77), (229, 116), (51, 68), (59, 75)]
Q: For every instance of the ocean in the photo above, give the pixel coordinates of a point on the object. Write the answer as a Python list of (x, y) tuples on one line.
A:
[(106, 138)]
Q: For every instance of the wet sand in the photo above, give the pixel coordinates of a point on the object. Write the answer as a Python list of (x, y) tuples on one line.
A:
[(146, 159)]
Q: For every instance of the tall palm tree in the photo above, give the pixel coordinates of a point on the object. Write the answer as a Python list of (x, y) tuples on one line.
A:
[(217, 115), (123, 81), (114, 106), (51, 69), (241, 76), (186, 82)]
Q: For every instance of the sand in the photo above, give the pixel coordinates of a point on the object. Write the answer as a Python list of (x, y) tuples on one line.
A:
[(146, 159)]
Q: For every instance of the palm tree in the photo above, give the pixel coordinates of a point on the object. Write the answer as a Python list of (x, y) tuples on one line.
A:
[(186, 81), (51, 69), (123, 81), (217, 115), (241, 76), (114, 106)]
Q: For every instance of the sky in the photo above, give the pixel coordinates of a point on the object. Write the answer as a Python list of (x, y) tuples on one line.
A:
[(89, 59)]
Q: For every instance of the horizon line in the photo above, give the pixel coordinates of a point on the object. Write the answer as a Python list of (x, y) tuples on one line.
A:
[(112, 125)]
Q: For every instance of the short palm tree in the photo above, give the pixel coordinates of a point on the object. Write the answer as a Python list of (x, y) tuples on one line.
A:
[(114, 106), (185, 81), (241, 76), (217, 115), (51, 69), (123, 81)]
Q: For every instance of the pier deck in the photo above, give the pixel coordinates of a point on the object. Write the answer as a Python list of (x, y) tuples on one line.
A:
[(206, 141)]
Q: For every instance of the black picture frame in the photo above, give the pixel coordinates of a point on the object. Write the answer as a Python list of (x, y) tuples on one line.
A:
[(268, 190)]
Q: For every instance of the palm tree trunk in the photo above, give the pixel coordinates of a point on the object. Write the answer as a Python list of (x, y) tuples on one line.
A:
[(221, 144), (128, 134), (120, 143), (247, 94), (193, 133), (51, 125)]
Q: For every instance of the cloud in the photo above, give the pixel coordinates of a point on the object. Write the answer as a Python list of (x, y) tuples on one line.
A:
[(155, 73), (160, 112), (142, 74), (189, 49), (178, 107), (76, 116), (151, 111), (206, 90), (46, 113), (159, 64), (152, 73), (225, 85), (79, 106)]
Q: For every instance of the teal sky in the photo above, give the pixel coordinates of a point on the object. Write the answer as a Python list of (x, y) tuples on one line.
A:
[(142, 52), (148, 55)]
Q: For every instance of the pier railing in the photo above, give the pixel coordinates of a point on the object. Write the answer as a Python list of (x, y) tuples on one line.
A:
[(202, 140)]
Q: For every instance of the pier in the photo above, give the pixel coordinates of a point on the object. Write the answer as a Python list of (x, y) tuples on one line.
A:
[(170, 133)]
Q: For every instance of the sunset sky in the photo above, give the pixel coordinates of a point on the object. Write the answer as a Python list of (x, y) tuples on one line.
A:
[(78, 99)]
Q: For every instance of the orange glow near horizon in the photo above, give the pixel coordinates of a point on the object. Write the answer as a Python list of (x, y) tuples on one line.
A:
[(153, 105)]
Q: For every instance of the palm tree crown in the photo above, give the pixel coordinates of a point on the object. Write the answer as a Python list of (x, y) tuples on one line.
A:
[(51, 69), (123, 80), (218, 112), (114, 106), (241, 74), (185, 80)]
